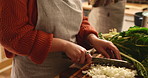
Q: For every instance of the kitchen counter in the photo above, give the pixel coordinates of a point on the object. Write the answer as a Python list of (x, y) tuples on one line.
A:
[(130, 9)]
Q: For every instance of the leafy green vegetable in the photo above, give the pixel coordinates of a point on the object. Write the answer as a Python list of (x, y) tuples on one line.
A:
[(141, 69), (134, 44)]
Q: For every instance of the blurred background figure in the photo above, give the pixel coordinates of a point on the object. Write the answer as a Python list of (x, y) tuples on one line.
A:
[(107, 14)]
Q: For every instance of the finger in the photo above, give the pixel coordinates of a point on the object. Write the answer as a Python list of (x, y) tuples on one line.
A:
[(104, 53), (116, 52), (82, 58), (74, 60), (99, 56), (88, 58), (78, 57), (118, 56), (111, 54)]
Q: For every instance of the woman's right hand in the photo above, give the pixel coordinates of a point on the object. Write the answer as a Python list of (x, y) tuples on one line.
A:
[(77, 53)]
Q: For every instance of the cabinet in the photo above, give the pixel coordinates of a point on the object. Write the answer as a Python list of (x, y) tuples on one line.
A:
[(5, 63), (2, 54), (128, 22)]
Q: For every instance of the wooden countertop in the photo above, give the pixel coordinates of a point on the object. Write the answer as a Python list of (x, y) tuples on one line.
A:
[(131, 8)]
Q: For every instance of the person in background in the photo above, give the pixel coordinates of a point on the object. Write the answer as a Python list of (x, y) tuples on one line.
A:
[(36, 33), (107, 14)]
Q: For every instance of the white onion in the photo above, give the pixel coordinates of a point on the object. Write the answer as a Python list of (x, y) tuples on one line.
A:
[(99, 71)]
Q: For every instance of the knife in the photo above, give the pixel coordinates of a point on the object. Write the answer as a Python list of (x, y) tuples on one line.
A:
[(109, 62), (112, 62)]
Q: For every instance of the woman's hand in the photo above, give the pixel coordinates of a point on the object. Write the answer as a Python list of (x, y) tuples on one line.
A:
[(106, 48), (75, 52)]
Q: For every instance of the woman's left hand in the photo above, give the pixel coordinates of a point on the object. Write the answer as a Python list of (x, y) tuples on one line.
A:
[(106, 48)]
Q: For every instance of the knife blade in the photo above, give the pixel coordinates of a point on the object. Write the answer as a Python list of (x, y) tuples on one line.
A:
[(109, 62), (112, 62)]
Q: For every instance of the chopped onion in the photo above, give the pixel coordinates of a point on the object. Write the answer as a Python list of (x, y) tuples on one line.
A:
[(98, 71)]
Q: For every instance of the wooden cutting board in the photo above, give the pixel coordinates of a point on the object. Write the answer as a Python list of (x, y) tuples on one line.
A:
[(75, 72)]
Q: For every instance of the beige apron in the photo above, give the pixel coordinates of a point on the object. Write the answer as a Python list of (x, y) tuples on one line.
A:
[(108, 17), (62, 18)]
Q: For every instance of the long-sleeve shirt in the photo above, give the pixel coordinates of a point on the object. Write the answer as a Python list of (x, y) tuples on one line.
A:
[(18, 36)]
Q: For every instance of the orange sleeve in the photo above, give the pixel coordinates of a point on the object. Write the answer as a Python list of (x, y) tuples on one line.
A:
[(85, 30), (18, 36)]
